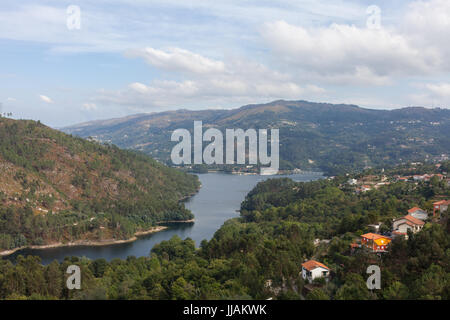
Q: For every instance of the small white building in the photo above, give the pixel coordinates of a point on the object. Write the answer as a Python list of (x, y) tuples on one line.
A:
[(312, 269)]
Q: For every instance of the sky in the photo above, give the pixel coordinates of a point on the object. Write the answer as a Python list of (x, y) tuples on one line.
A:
[(66, 62)]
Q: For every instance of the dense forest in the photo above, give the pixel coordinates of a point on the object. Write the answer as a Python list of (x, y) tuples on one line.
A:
[(55, 188), (334, 138), (280, 220)]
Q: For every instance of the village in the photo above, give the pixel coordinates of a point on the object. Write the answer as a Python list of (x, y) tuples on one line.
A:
[(377, 241)]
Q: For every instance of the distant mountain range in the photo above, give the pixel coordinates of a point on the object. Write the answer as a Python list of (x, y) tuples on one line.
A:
[(334, 138)]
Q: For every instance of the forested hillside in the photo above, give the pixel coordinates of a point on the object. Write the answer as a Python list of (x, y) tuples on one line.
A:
[(259, 255), (55, 188), (334, 138)]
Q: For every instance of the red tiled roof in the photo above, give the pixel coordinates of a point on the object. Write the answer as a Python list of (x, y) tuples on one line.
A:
[(373, 236), (442, 202), (414, 209), (312, 264), (412, 220)]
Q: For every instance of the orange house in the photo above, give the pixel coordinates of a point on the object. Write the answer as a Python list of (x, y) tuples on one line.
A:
[(375, 242)]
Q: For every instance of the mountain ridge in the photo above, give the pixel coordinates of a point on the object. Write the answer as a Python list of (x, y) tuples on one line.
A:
[(331, 137)]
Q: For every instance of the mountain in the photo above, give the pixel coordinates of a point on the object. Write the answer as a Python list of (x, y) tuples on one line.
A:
[(55, 188), (335, 138)]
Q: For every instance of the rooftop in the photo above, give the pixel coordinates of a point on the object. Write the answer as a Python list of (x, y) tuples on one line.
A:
[(415, 209), (411, 220), (373, 236), (313, 264)]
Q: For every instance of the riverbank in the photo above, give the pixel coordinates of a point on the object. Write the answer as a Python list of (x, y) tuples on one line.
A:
[(177, 221), (219, 198), (105, 242)]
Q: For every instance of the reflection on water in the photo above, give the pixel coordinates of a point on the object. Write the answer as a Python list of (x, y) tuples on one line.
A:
[(216, 202)]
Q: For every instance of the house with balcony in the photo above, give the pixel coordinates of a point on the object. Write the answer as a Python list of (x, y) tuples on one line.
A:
[(375, 242), (402, 225)]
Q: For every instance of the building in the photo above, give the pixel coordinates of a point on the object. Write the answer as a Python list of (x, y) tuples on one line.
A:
[(403, 224), (375, 242), (312, 269), (440, 206), (418, 213)]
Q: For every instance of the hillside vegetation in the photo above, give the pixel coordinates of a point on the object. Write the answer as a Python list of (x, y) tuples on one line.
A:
[(334, 138), (58, 188), (259, 255)]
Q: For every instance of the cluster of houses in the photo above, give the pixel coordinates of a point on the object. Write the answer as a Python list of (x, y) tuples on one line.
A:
[(371, 182), (423, 177), (414, 221), (375, 242), (368, 183)]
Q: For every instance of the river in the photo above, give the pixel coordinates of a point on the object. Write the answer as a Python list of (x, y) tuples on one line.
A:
[(217, 201)]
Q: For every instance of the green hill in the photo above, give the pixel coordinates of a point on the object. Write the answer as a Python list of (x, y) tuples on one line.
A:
[(58, 188), (335, 138)]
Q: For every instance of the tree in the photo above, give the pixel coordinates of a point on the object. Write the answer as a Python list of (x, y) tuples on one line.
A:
[(54, 279), (181, 289), (396, 291), (354, 288), (317, 294)]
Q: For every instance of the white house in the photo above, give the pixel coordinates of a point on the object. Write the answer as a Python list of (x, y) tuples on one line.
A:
[(418, 213), (312, 269), (402, 225)]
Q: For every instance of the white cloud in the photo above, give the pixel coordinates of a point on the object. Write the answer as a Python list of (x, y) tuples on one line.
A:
[(431, 94), (442, 89), (304, 49), (11, 99), (209, 83), (89, 106), (344, 51), (348, 54), (45, 98), (118, 25), (176, 59)]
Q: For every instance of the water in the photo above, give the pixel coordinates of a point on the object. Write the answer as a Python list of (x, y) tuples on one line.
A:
[(217, 201)]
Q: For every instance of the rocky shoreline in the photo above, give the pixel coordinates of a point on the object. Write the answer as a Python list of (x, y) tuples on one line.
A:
[(85, 242), (105, 242)]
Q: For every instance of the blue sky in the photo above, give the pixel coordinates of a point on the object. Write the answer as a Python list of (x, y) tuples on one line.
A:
[(148, 56)]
